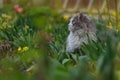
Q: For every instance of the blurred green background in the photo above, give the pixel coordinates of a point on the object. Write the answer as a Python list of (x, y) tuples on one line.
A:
[(33, 37)]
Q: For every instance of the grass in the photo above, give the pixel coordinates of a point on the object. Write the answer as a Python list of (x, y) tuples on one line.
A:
[(37, 50)]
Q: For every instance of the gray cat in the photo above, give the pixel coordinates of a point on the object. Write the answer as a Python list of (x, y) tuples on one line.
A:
[(80, 27)]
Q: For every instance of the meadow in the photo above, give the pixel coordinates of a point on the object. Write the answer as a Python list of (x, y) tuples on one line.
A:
[(33, 46)]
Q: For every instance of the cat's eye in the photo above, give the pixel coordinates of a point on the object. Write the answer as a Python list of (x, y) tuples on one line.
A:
[(73, 22)]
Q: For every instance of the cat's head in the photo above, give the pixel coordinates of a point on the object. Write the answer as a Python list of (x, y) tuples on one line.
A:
[(81, 22)]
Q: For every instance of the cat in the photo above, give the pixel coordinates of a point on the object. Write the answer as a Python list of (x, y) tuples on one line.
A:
[(81, 27)]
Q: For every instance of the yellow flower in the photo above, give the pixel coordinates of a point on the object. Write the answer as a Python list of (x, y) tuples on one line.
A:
[(113, 13), (26, 27), (19, 49), (26, 48), (109, 26), (66, 17)]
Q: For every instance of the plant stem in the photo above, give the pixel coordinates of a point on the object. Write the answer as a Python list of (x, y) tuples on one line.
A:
[(108, 9), (117, 17)]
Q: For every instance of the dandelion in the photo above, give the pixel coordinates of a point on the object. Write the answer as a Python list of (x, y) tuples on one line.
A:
[(19, 49), (26, 48), (113, 13), (66, 17), (109, 26)]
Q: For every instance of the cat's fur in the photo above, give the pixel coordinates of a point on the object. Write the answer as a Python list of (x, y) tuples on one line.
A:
[(80, 27)]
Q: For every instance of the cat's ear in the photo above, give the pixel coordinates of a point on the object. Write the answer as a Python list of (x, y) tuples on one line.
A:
[(91, 26), (83, 18), (80, 16)]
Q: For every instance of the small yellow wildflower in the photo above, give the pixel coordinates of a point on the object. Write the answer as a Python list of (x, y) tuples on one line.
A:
[(113, 13), (19, 49), (26, 48), (26, 27), (66, 17), (109, 26)]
